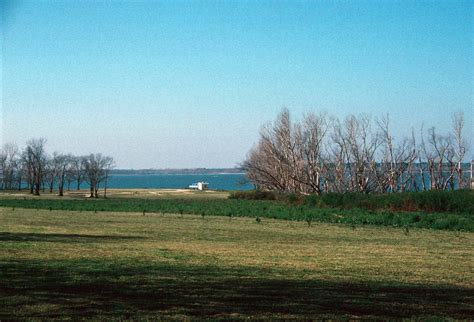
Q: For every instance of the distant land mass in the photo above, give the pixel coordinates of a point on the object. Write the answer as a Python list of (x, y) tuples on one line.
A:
[(178, 171)]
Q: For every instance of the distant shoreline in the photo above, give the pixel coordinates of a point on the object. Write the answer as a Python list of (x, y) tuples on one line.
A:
[(179, 171)]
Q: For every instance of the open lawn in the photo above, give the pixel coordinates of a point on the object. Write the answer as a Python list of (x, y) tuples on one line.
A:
[(81, 264)]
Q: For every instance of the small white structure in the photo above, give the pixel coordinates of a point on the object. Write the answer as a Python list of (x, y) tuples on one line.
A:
[(199, 186)]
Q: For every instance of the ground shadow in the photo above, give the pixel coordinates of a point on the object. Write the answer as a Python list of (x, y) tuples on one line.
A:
[(88, 289), (62, 238)]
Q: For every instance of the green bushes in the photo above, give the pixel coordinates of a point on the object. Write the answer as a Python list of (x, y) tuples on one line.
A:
[(459, 201), (254, 195), (384, 210)]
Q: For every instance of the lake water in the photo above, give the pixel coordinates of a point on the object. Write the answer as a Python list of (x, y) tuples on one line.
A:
[(224, 181)]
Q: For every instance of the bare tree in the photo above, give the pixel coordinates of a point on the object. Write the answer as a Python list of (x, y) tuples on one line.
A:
[(437, 153), (8, 164), (322, 154), (337, 179), (78, 170), (51, 170), (35, 157), (459, 146), (289, 156), (97, 169), (64, 163), (27, 166), (19, 173), (272, 163), (70, 175), (395, 171), (310, 147), (91, 167), (387, 170), (108, 165), (34, 167), (358, 147), (413, 151)]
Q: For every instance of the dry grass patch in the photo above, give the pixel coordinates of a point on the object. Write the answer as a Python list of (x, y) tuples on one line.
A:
[(122, 193)]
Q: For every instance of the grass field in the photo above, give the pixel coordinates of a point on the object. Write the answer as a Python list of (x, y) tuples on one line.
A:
[(80, 264)]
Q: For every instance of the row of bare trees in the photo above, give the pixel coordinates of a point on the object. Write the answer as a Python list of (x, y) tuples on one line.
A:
[(321, 153), (34, 169)]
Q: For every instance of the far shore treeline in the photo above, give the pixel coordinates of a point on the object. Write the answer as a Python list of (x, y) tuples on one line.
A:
[(38, 171), (178, 171)]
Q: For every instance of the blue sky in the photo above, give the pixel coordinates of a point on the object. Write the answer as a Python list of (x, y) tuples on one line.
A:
[(189, 83)]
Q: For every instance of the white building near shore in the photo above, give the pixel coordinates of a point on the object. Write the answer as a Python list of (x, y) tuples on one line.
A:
[(199, 186)]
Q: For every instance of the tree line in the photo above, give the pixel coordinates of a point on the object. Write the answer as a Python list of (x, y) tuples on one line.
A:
[(34, 169), (321, 153)]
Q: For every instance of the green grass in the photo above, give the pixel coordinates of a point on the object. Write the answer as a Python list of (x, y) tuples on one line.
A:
[(273, 209), (121, 265)]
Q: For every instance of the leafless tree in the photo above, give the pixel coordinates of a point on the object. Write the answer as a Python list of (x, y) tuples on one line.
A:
[(395, 171), (64, 164), (70, 175), (92, 172), (275, 163), (19, 173), (34, 157), (336, 177), (459, 146), (27, 166), (97, 169), (358, 146), (265, 163), (78, 170), (34, 167), (437, 153), (322, 154), (310, 156), (8, 164), (50, 170), (108, 165)]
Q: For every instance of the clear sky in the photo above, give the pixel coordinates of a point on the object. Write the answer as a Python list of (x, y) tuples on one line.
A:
[(172, 84)]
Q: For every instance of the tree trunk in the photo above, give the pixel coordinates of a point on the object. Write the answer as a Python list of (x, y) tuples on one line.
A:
[(61, 189), (36, 189), (105, 188)]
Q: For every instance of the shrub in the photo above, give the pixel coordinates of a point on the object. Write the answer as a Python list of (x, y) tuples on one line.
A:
[(254, 195), (459, 201)]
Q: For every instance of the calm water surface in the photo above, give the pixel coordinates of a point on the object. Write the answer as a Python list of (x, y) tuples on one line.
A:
[(227, 181)]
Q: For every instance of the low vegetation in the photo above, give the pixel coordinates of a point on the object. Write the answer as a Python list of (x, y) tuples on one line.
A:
[(433, 210), (458, 201), (118, 265)]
